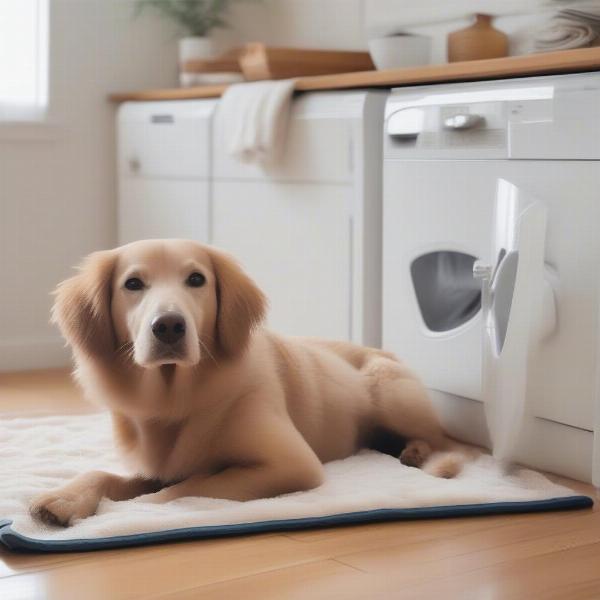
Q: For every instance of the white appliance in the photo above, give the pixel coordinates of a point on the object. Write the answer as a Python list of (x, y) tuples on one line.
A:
[(309, 228), (164, 166), (506, 173)]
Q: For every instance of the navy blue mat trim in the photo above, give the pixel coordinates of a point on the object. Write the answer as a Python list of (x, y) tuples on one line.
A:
[(20, 543)]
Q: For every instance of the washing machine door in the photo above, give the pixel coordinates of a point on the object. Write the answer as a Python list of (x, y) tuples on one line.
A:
[(512, 308)]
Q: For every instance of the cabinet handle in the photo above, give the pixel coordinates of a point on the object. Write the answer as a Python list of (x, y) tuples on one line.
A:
[(463, 121)]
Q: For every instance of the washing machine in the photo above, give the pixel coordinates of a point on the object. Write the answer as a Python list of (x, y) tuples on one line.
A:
[(308, 228), (500, 179), (164, 158)]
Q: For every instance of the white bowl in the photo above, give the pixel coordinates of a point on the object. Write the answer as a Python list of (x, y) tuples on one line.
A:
[(402, 50)]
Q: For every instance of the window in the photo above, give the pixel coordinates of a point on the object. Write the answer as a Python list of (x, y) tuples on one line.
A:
[(23, 59)]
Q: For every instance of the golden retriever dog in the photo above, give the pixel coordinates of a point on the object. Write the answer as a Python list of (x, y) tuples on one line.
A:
[(167, 335)]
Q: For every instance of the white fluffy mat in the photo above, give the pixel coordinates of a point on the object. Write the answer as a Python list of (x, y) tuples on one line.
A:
[(38, 454)]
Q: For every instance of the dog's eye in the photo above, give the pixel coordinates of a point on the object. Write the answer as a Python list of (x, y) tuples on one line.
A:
[(134, 284), (196, 280)]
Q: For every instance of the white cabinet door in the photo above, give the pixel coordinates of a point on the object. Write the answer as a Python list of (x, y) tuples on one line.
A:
[(165, 139), (294, 240), (163, 208)]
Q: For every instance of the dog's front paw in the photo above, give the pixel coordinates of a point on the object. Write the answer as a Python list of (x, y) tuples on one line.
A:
[(63, 508)]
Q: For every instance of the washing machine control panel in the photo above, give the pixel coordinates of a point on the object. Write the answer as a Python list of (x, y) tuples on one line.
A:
[(535, 118)]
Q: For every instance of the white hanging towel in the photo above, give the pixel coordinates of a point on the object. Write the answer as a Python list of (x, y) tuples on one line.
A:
[(256, 116)]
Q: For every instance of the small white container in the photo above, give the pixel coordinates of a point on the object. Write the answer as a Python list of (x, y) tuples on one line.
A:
[(201, 48), (196, 48), (400, 50)]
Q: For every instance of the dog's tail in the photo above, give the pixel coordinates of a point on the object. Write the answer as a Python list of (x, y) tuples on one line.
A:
[(448, 463), (445, 464)]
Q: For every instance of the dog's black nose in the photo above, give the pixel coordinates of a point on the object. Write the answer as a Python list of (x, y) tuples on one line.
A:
[(169, 327)]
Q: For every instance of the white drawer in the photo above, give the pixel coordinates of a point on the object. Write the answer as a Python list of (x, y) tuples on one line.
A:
[(165, 139)]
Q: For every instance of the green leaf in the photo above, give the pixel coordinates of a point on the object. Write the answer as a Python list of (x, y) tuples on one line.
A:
[(198, 17)]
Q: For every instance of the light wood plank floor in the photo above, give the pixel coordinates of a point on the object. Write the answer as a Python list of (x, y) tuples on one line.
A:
[(554, 555)]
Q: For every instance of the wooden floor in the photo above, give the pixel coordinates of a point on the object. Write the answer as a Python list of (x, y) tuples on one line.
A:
[(554, 555)]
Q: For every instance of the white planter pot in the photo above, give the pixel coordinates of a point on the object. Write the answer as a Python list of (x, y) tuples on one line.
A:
[(190, 49), (398, 51), (201, 48), (196, 48)]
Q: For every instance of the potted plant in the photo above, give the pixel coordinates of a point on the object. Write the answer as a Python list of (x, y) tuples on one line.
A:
[(196, 17)]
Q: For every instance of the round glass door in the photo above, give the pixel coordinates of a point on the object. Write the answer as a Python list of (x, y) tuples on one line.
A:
[(447, 293)]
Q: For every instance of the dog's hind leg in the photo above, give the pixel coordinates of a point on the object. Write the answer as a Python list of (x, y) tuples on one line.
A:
[(400, 404), (415, 453)]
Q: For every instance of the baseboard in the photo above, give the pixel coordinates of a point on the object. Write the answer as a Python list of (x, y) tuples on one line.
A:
[(28, 353), (545, 445)]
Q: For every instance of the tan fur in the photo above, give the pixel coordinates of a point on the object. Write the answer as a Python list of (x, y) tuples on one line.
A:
[(242, 413), (82, 307), (241, 305), (444, 464)]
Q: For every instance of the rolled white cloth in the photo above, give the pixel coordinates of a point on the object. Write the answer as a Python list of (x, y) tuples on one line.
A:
[(588, 13), (574, 27), (255, 117), (563, 33)]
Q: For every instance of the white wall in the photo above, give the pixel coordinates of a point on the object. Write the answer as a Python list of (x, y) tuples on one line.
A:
[(57, 182), (305, 23)]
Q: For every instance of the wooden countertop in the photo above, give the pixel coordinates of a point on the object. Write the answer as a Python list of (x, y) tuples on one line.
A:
[(549, 63)]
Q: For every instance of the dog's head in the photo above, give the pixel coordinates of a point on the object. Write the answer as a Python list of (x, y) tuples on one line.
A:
[(165, 301)]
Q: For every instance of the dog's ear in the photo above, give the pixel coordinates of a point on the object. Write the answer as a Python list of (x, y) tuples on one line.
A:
[(241, 305), (82, 306)]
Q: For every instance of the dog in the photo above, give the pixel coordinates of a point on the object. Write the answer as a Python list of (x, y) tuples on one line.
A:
[(205, 401)]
